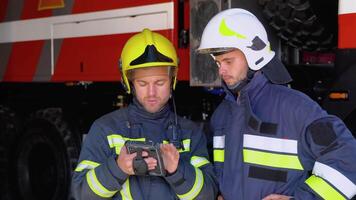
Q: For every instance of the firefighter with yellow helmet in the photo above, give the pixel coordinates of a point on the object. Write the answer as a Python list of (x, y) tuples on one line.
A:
[(107, 169), (271, 142)]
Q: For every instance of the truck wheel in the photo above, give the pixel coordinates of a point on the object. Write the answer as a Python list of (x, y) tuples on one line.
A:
[(46, 157), (9, 126), (301, 24)]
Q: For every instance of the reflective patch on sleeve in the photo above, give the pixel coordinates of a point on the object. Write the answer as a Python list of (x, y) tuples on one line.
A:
[(97, 187), (125, 191), (86, 164), (198, 161), (323, 189), (322, 133), (195, 190), (219, 142), (337, 179), (117, 141), (219, 155)]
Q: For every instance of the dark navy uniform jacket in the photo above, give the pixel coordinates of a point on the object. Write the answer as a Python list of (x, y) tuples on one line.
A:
[(98, 176), (275, 140)]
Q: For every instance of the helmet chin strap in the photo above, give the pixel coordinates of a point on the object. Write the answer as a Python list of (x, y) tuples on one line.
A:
[(236, 88)]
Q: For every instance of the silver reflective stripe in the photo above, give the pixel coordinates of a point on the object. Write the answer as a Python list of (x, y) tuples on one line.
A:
[(97, 187), (198, 161), (115, 140), (86, 164), (271, 144), (219, 142), (338, 180), (125, 190), (198, 185)]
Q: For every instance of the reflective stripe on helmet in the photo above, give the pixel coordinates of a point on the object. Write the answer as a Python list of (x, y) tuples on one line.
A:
[(226, 31)]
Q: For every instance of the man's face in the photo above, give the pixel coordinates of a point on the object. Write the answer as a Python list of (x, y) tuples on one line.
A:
[(152, 87), (233, 67)]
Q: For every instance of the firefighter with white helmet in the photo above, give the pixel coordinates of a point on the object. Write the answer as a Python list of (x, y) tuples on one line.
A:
[(268, 137), (106, 169)]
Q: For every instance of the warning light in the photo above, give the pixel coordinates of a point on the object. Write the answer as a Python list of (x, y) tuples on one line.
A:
[(339, 95)]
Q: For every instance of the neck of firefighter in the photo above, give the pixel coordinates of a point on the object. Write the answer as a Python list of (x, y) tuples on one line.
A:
[(152, 87)]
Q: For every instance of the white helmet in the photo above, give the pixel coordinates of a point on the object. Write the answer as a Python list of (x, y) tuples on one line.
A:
[(237, 28)]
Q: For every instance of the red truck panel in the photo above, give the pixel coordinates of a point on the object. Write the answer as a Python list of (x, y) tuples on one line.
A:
[(347, 31)]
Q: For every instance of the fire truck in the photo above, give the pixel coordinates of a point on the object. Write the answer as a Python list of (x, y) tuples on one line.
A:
[(59, 71)]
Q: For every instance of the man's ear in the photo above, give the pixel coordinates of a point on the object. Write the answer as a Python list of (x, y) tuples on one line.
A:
[(122, 77)]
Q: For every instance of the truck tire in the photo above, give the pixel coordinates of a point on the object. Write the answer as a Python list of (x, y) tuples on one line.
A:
[(302, 25), (9, 128), (46, 157)]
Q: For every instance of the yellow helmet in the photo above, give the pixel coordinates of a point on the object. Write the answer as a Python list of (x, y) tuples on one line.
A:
[(147, 49)]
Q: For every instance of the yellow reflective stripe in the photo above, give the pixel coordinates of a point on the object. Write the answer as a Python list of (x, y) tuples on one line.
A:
[(186, 144), (272, 159), (125, 190), (86, 164), (226, 31), (219, 155), (97, 187), (198, 161), (323, 189), (335, 178), (198, 185), (117, 141)]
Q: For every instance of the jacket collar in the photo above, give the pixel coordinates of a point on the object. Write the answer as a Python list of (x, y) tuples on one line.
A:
[(251, 89)]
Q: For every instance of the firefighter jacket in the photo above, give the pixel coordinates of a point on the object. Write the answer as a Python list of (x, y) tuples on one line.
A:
[(98, 176), (275, 140)]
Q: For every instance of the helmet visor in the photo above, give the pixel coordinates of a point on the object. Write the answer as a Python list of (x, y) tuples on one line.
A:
[(220, 50)]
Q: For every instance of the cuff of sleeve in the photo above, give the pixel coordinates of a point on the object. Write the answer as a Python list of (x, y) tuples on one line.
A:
[(182, 179), (115, 170), (177, 177)]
